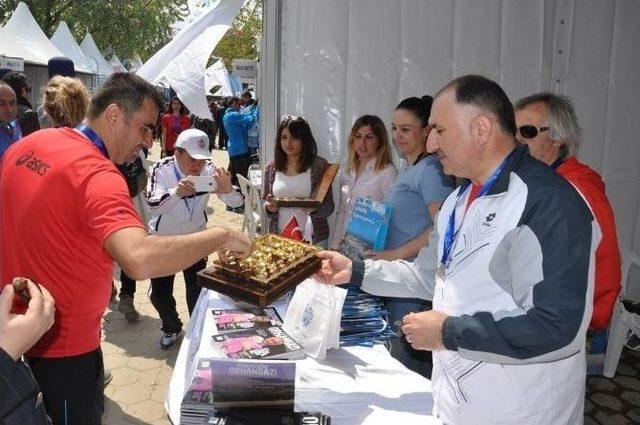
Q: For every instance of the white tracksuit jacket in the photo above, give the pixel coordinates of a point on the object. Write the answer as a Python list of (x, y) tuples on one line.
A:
[(519, 291), (173, 215)]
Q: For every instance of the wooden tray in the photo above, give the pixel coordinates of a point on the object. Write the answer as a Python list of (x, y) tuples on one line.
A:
[(316, 198), (296, 203), (238, 287)]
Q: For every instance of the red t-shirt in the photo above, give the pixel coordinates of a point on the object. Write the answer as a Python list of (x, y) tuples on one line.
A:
[(174, 126), (60, 199)]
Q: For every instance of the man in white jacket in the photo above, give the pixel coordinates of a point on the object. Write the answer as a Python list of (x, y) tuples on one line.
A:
[(513, 272), (177, 208)]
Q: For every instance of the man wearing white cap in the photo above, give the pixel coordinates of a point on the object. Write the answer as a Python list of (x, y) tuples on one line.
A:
[(177, 194)]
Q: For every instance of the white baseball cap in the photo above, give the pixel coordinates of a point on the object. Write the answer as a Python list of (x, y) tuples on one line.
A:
[(195, 142)]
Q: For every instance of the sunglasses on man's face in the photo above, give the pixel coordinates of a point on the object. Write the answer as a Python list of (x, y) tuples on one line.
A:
[(531, 131)]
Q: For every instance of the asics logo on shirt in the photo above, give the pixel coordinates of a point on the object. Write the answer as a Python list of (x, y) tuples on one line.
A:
[(34, 164)]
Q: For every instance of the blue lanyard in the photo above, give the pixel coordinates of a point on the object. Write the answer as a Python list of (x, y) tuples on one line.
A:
[(93, 137), (451, 233), (191, 209)]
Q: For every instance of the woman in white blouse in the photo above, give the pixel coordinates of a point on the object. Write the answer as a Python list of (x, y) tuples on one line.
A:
[(369, 172), (295, 171)]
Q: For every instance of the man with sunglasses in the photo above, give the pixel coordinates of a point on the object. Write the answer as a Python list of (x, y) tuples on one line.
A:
[(65, 216), (548, 125)]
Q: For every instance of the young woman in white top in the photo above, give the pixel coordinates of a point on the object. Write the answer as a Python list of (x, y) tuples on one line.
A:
[(368, 173), (295, 171)]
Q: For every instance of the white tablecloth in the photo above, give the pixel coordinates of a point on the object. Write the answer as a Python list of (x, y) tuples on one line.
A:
[(355, 385)]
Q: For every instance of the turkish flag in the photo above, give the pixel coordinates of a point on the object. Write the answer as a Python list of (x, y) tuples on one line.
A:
[(292, 230)]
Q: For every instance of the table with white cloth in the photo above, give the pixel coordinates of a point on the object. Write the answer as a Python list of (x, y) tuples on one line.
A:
[(353, 385)]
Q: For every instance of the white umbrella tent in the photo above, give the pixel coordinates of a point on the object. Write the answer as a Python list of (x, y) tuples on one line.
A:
[(66, 43), (98, 63), (22, 37)]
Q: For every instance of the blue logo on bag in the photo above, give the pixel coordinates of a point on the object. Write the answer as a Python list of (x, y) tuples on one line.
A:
[(307, 316)]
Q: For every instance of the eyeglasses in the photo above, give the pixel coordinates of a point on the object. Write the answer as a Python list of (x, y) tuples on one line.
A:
[(531, 131)]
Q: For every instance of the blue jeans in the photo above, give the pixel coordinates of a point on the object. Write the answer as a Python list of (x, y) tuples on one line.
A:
[(418, 361)]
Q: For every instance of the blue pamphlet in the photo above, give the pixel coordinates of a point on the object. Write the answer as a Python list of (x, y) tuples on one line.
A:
[(367, 227)]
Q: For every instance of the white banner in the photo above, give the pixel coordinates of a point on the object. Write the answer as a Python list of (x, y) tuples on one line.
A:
[(14, 64), (245, 68), (181, 63)]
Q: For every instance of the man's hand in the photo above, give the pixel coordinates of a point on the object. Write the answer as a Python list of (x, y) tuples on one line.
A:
[(223, 180), (336, 268), (185, 188), (236, 242), (18, 332), (424, 330)]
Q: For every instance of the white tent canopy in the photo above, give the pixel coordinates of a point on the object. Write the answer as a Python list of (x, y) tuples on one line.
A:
[(28, 40), (98, 63), (64, 40), (183, 60), (116, 65), (335, 61), (133, 64), (10, 47)]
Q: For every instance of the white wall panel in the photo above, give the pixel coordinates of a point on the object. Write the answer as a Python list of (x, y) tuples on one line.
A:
[(344, 58)]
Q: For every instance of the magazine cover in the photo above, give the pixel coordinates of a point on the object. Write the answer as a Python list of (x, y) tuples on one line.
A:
[(261, 343), (367, 228), (232, 320), (223, 383), (243, 383)]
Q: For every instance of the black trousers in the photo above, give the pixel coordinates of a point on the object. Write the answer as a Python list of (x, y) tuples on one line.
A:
[(73, 387), (222, 136), (164, 302), (239, 164), (128, 285)]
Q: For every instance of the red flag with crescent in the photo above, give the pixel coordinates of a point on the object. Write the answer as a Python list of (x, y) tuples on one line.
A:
[(292, 230)]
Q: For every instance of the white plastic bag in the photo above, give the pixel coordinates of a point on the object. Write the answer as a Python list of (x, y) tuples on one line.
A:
[(312, 316)]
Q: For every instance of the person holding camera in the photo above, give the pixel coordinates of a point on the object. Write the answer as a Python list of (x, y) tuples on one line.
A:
[(177, 205)]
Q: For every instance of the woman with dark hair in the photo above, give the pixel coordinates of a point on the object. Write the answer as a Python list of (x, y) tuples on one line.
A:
[(369, 171), (295, 171), (415, 199), (174, 122)]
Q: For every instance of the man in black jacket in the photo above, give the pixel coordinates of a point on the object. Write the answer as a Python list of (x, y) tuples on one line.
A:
[(20, 398), (27, 117)]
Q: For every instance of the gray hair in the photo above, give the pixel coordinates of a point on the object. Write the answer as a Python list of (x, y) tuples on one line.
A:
[(561, 119)]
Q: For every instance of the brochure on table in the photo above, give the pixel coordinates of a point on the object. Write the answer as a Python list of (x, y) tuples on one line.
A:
[(355, 385)]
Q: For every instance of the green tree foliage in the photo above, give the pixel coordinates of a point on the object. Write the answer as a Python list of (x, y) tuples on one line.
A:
[(129, 26), (244, 35)]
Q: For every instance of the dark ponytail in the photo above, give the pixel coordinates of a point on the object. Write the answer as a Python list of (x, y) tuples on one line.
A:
[(418, 106)]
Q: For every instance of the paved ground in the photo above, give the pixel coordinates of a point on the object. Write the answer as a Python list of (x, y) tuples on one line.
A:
[(141, 371)]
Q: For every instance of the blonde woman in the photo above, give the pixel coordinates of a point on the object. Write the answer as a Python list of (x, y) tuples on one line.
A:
[(369, 171), (65, 101)]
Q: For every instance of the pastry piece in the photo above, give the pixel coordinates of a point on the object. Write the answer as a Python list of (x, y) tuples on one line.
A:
[(21, 287)]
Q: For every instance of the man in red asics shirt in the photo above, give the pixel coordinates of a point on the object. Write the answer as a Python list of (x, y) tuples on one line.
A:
[(65, 216)]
